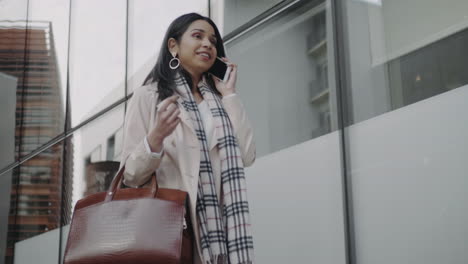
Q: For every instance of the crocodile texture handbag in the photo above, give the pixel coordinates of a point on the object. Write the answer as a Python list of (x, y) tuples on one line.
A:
[(131, 225)]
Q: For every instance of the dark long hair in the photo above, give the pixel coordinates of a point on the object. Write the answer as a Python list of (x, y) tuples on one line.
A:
[(161, 72)]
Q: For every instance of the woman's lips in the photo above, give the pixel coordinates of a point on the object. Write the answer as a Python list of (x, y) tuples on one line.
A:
[(204, 56)]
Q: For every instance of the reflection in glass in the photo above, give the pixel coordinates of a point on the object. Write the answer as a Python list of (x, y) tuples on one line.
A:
[(33, 56), (41, 114), (99, 176), (13, 66), (230, 14), (412, 160), (419, 75), (400, 58), (95, 155), (148, 21), (97, 56), (13, 14), (284, 79), (36, 193)]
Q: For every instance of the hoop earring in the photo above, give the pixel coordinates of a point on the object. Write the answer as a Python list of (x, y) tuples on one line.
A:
[(171, 63)]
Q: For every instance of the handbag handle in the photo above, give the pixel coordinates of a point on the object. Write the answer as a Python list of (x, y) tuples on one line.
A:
[(117, 182)]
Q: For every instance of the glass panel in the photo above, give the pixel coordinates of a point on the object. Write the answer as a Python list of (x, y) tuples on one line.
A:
[(408, 166), (148, 22), (34, 209), (97, 56), (400, 58), (92, 161), (44, 88), (287, 84), (286, 77), (13, 15), (231, 14), (12, 66)]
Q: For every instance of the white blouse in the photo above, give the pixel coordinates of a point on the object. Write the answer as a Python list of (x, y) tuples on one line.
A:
[(207, 119)]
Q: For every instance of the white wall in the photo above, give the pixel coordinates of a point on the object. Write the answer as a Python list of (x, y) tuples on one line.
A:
[(41, 249), (296, 204), (409, 174)]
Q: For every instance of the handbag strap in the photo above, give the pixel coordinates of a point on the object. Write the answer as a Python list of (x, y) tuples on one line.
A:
[(117, 182)]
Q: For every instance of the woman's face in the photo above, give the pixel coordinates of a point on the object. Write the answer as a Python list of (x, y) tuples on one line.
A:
[(197, 47)]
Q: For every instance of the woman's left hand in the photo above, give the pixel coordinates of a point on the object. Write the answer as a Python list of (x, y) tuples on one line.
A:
[(228, 87)]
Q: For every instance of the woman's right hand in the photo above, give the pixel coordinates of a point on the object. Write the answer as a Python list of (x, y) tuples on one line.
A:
[(167, 119)]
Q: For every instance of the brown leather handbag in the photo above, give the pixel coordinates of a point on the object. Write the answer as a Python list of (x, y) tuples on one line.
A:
[(131, 225)]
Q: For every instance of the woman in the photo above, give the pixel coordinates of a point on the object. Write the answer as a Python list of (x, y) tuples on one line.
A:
[(193, 130)]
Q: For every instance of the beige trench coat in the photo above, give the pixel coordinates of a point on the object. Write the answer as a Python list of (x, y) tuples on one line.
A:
[(179, 166)]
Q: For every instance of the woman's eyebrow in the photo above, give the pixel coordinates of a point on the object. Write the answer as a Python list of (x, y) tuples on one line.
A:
[(202, 30)]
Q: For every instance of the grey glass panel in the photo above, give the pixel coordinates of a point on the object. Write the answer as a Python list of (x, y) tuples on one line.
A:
[(407, 143), (34, 196), (147, 23), (93, 157), (13, 15), (97, 56), (399, 58), (235, 13), (429, 71), (44, 87), (95, 146), (286, 77)]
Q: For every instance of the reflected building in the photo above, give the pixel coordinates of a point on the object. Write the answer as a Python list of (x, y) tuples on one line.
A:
[(101, 153), (27, 53), (99, 176)]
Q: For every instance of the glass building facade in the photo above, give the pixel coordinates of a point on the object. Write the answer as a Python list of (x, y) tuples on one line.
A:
[(358, 108)]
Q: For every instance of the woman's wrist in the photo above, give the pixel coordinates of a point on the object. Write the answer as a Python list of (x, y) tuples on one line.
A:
[(229, 94), (155, 143)]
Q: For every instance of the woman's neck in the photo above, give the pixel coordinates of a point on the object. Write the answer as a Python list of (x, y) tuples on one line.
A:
[(195, 80)]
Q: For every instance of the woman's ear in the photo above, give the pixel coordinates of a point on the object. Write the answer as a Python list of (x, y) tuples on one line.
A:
[(172, 46)]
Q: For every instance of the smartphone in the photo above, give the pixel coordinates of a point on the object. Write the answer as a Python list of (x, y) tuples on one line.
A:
[(220, 70)]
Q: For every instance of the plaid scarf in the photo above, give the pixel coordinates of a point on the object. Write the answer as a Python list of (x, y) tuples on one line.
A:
[(224, 238)]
